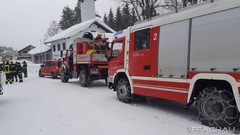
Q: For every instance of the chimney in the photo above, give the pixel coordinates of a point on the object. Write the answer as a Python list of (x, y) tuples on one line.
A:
[(87, 10)]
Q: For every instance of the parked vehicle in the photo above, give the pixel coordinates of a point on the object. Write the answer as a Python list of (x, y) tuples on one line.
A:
[(85, 60), (50, 68), (191, 56)]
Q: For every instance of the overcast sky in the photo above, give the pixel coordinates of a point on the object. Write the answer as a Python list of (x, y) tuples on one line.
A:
[(24, 22)]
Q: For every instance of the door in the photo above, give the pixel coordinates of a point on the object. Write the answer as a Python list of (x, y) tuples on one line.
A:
[(43, 68), (51, 67), (47, 67), (140, 60), (117, 61), (143, 58), (139, 56)]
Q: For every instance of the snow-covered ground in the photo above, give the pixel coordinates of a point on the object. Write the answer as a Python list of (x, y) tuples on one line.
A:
[(45, 106)]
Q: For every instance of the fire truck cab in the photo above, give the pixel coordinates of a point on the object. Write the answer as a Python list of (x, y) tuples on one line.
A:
[(191, 56)]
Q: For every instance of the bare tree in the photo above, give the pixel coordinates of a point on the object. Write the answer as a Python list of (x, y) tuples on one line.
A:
[(145, 9), (52, 30), (172, 5)]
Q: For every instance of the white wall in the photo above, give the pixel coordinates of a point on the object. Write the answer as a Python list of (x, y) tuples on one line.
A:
[(87, 10)]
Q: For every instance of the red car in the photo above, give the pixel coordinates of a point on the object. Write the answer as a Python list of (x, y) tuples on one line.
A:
[(50, 68)]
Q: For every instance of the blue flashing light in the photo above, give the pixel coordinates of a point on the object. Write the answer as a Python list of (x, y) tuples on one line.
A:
[(119, 32)]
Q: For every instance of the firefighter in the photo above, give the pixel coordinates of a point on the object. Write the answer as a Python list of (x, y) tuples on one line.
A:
[(7, 71), (16, 74), (13, 71), (99, 36), (71, 46), (19, 71), (24, 69)]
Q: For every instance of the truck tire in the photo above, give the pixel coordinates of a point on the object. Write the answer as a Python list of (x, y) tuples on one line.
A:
[(64, 77), (83, 78), (216, 108), (124, 91), (40, 74), (53, 76)]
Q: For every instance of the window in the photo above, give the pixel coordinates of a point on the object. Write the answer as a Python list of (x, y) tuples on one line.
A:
[(142, 39), (64, 46), (117, 48), (54, 48), (52, 63), (59, 63), (58, 46), (45, 64)]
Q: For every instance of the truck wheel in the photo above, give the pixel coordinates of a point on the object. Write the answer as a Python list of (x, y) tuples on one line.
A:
[(53, 76), (216, 108), (83, 78), (64, 77), (40, 74), (124, 91)]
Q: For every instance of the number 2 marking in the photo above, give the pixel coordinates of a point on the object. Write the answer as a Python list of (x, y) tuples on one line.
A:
[(155, 36)]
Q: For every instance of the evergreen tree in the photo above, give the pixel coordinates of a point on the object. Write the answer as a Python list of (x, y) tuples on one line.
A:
[(105, 19), (126, 16), (133, 17), (111, 19), (118, 20), (67, 18), (77, 13)]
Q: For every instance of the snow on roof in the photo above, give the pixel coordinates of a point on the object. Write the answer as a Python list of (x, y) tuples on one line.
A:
[(40, 49), (26, 47), (78, 28), (8, 51)]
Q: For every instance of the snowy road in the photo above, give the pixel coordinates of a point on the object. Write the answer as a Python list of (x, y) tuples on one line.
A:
[(45, 106)]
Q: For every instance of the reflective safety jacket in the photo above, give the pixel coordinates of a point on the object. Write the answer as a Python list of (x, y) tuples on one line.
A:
[(19, 69), (7, 68), (13, 68), (24, 65)]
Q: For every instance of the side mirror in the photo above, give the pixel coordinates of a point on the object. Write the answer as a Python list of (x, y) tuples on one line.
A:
[(41, 65)]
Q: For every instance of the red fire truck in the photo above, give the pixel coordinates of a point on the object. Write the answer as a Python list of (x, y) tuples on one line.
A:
[(85, 60), (191, 56)]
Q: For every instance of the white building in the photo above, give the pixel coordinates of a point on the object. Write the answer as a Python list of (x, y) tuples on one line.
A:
[(41, 53), (90, 23)]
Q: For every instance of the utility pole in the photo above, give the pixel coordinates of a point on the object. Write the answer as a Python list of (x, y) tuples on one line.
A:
[(45, 55), (41, 52)]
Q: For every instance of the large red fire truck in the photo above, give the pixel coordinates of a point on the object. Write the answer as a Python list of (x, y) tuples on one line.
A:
[(85, 59), (191, 56)]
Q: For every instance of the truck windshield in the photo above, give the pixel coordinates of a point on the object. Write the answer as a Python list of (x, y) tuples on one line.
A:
[(117, 48)]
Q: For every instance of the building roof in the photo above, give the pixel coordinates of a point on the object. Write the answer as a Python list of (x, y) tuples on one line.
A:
[(26, 47), (40, 49), (8, 51), (78, 28)]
